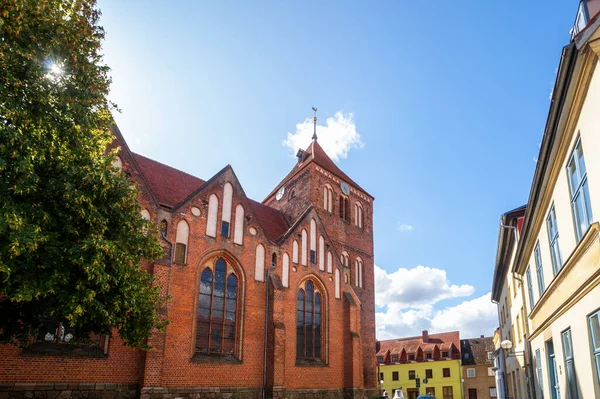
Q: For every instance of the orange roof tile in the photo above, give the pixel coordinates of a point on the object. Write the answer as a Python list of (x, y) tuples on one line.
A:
[(170, 186)]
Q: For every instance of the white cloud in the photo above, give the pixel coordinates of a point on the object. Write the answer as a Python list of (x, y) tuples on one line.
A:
[(473, 318), (406, 300), (405, 227), (337, 137), (417, 287)]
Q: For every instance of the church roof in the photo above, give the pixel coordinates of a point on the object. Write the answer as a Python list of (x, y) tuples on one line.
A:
[(316, 154), (272, 221), (171, 186)]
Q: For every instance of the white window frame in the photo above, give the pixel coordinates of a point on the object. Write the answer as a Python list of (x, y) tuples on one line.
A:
[(539, 268), (595, 341), (530, 288), (471, 373), (579, 189), (552, 228)]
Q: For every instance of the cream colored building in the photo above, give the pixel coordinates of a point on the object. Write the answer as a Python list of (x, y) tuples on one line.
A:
[(514, 369), (558, 250)]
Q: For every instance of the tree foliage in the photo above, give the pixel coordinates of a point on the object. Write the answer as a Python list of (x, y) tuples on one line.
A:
[(71, 234)]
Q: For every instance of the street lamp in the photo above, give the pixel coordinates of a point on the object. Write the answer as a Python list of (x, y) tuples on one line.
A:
[(508, 346)]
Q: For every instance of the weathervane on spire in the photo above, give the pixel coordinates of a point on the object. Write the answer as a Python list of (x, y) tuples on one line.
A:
[(314, 137)]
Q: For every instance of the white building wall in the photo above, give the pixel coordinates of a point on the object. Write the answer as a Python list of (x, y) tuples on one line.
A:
[(576, 317)]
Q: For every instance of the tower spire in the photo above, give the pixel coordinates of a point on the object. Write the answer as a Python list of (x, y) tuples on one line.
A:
[(314, 137)]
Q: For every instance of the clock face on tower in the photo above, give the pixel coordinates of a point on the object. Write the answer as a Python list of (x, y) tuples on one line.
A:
[(345, 188), (279, 194)]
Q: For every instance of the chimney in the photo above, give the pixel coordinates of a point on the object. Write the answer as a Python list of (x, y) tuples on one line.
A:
[(425, 336)]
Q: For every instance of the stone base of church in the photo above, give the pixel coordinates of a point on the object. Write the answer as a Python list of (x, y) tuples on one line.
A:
[(254, 393), (67, 390)]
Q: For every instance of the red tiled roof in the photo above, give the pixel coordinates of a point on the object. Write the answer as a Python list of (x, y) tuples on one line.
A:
[(382, 352), (271, 220), (411, 344), (322, 159), (316, 154), (170, 186)]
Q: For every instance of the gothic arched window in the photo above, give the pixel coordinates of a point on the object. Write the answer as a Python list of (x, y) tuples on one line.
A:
[(309, 322), (344, 208), (216, 325)]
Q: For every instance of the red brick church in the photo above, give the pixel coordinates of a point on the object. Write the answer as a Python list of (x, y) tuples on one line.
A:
[(271, 298)]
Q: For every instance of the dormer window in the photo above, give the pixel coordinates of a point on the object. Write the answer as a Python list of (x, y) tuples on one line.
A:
[(380, 359), (395, 358), (411, 357), (445, 354)]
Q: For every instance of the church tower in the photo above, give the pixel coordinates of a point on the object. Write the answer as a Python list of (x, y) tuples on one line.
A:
[(345, 210)]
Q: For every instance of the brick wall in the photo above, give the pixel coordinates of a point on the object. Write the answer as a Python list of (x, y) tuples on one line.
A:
[(172, 367)]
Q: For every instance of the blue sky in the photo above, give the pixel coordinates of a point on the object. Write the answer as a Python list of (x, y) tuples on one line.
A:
[(439, 105)]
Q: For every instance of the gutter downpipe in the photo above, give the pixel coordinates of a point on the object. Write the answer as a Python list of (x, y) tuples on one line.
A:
[(264, 388), (164, 237)]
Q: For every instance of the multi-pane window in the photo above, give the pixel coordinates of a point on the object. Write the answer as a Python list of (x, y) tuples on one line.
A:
[(538, 269), (216, 328), (530, 287), (52, 331), (380, 359), (493, 393), (445, 354), (595, 332), (570, 365), (411, 374), (429, 373), (181, 242), (411, 357), (428, 355), (394, 358), (447, 391), (470, 373), (580, 195), (553, 240), (430, 391), (395, 376), (309, 324), (538, 363), (225, 228), (446, 372)]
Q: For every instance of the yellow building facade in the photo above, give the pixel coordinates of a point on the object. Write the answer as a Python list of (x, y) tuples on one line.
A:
[(433, 360)]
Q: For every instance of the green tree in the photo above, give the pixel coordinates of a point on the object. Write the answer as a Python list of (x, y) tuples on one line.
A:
[(71, 234)]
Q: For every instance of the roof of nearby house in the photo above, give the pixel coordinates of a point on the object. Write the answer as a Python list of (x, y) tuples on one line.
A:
[(411, 344), (475, 350), (171, 186), (506, 242), (315, 153)]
